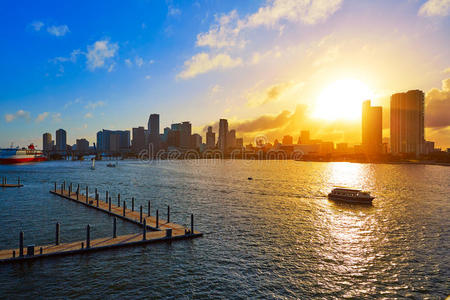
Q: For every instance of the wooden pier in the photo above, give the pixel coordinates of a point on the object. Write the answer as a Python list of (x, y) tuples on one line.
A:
[(5, 184), (153, 229)]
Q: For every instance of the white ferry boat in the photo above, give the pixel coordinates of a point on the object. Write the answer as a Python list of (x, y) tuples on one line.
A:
[(350, 195), (24, 155)]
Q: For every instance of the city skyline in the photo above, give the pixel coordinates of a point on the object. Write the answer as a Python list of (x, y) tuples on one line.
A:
[(256, 65)]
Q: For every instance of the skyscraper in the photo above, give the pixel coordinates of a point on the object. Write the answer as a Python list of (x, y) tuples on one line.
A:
[(153, 127), (288, 140), (371, 123), (210, 138), (104, 140), (47, 141), (223, 133), (138, 142), (61, 140), (231, 139), (304, 137), (82, 146), (407, 122), (185, 135)]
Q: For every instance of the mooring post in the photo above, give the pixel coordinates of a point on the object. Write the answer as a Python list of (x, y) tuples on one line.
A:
[(87, 194), (115, 228), (21, 244), (96, 198), (96, 191), (192, 223), (88, 236), (118, 200), (64, 185), (140, 214), (40, 251), (14, 251), (148, 208), (169, 232), (144, 230), (157, 218), (57, 234), (55, 186), (70, 189), (30, 250), (106, 198), (132, 204), (124, 207), (62, 189), (109, 203), (168, 213), (78, 191), (82, 245)]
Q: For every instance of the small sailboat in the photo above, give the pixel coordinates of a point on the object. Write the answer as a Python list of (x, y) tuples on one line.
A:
[(93, 164)]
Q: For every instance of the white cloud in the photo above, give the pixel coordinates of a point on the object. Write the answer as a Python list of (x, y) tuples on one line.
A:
[(151, 61), (77, 100), (94, 105), (128, 62), (41, 117), (173, 11), (435, 8), (228, 28), (148, 77), (202, 63), (58, 30), (88, 115), (216, 89), (99, 52), (72, 58), (37, 25), (139, 61), (20, 114), (56, 117)]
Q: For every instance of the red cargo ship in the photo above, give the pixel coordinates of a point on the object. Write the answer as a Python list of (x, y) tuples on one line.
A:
[(24, 155)]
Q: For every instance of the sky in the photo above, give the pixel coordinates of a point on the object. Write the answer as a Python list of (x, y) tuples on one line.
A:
[(270, 67)]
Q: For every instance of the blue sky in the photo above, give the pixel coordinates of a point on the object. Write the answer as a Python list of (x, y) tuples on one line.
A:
[(88, 65)]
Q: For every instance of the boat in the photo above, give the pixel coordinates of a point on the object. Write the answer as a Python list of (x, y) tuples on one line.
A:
[(110, 165), (24, 155), (350, 195)]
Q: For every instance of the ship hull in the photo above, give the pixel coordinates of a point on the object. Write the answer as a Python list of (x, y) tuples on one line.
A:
[(351, 199), (17, 160)]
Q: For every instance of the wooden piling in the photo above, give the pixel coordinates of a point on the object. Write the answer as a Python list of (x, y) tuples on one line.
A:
[(132, 204), (157, 219), (109, 204), (168, 213), (87, 194), (118, 200), (192, 223), (115, 228), (88, 236), (144, 231), (148, 208), (106, 198), (57, 234), (55, 186), (96, 198), (169, 232), (21, 244), (124, 208), (140, 214)]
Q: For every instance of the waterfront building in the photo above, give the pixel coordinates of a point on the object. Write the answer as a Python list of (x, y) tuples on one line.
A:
[(61, 140), (47, 143), (210, 138), (82, 146), (223, 132), (196, 141), (372, 129), (231, 139), (288, 140), (104, 141), (138, 142), (240, 143), (185, 135), (407, 122), (153, 128), (304, 137)]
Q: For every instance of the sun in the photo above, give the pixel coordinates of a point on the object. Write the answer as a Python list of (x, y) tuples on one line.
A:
[(342, 100)]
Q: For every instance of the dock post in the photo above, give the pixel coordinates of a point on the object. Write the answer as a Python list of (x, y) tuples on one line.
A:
[(96, 198), (96, 191), (70, 189), (88, 236), (64, 185), (144, 231), (62, 189), (118, 200), (192, 223), (168, 213), (82, 245), (21, 244), (106, 199), (148, 208), (132, 204), (124, 207), (169, 232), (87, 194), (55, 186), (18, 181), (109, 204), (40, 251), (115, 228), (140, 214), (30, 250), (14, 253), (57, 234), (157, 218)]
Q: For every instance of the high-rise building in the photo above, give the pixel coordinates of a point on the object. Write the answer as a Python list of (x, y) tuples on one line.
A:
[(304, 137), (288, 140), (114, 143), (138, 142), (47, 144), (239, 143), (196, 141), (82, 146), (61, 140), (153, 127), (104, 140), (231, 139), (185, 135), (371, 122), (210, 138), (407, 122), (223, 132)]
